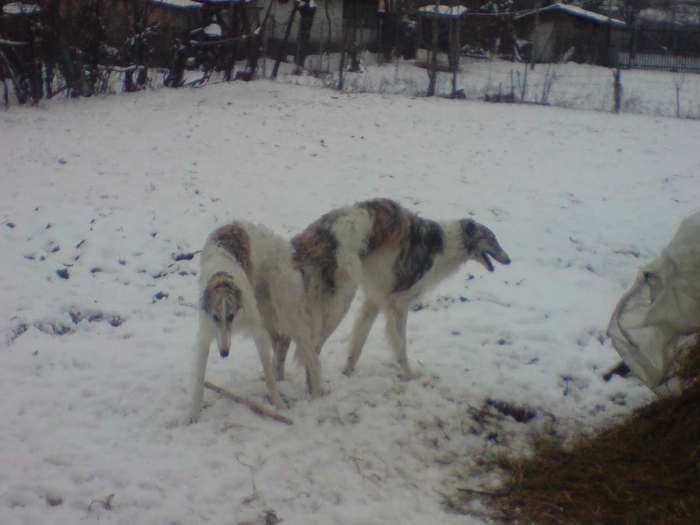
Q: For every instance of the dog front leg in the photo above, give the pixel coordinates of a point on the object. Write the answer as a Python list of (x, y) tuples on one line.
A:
[(263, 344), (396, 331), (204, 339), (280, 346), (360, 331)]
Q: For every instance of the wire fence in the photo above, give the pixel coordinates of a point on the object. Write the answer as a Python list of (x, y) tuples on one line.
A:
[(569, 85), (348, 46)]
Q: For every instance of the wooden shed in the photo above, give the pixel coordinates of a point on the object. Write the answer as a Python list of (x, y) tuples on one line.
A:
[(450, 20), (562, 31)]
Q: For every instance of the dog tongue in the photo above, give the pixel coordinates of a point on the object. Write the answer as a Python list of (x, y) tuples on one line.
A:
[(487, 261)]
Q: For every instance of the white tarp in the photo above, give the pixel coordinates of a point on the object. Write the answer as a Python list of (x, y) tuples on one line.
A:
[(661, 307)]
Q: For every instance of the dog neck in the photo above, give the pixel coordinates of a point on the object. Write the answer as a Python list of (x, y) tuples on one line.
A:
[(454, 253), (449, 260)]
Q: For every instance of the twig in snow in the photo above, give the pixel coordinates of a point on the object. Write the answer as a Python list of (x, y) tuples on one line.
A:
[(269, 518), (374, 477), (106, 503), (259, 409), (254, 494)]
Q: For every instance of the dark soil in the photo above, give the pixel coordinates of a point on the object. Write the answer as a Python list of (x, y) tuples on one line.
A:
[(643, 471)]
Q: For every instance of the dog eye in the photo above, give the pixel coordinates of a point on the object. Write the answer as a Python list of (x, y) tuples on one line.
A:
[(216, 318), (229, 318)]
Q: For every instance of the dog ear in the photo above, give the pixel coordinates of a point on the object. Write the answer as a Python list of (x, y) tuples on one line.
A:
[(469, 227), (238, 296), (205, 300)]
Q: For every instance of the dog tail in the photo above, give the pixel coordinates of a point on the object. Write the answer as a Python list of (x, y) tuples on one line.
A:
[(352, 231)]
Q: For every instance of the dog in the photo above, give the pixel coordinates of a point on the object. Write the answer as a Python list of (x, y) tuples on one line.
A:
[(248, 284), (394, 256), (256, 282)]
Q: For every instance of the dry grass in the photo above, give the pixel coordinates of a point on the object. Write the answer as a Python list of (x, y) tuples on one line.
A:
[(645, 470), (689, 369)]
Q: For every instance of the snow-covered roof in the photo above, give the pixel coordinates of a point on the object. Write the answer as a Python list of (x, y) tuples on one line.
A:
[(225, 2), (577, 12), (20, 8), (177, 4), (443, 10), (213, 30)]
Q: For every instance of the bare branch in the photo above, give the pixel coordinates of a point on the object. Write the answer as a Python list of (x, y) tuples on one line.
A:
[(259, 409)]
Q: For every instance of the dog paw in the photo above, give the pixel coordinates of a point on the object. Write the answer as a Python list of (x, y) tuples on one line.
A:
[(277, 402), (408, 375), (191, 415), (321, 392)]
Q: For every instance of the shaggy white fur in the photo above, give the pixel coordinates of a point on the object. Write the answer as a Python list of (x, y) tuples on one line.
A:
[(272, 303)]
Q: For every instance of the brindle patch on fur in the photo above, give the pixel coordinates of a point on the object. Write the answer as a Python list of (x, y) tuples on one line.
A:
[(472, 234), (317, 246), (418, 240), (418, 250), (219, 282), (390, 223), (235, 240)]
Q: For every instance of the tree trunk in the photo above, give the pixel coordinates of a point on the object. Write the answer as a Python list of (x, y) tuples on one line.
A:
[(283, 45), (343, 53), (354, 60), (432, 72), (307, 12)]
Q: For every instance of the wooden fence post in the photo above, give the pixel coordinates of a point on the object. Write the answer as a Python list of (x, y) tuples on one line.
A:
[(617, 86), (283, 46)]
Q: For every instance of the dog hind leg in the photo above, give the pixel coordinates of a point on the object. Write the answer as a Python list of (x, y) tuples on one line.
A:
[(396, 331), (360, 331), (313, 370)]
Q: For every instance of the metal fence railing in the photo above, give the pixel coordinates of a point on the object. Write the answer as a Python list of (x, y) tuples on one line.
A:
[(657, 61)]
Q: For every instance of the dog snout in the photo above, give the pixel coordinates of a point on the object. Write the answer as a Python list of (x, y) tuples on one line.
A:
[(501, 256), (223, 352)]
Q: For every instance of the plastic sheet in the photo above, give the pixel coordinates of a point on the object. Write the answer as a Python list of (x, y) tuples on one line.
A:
[(661, 307)]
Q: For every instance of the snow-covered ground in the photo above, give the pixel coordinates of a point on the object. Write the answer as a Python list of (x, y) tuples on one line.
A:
[(94, 367)]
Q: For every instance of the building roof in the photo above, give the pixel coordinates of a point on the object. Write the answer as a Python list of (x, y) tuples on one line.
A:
[(176, 4), (576, 11), (196, 4), (225, 2), (20, 8)]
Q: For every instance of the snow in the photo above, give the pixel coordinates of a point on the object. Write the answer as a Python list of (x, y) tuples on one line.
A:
[(224, 2), (213, 30), (20, 8), (443, 10), (178, 4), (569, 85), (114, 189)]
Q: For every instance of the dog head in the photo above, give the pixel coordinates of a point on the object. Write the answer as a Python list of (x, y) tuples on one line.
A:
[(221, 301), (481, 245)]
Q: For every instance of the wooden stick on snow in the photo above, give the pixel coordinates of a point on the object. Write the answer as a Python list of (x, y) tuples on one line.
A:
[(259, 409)]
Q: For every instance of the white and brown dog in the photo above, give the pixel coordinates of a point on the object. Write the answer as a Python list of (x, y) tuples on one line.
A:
[(394, 256), (253, 281)]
